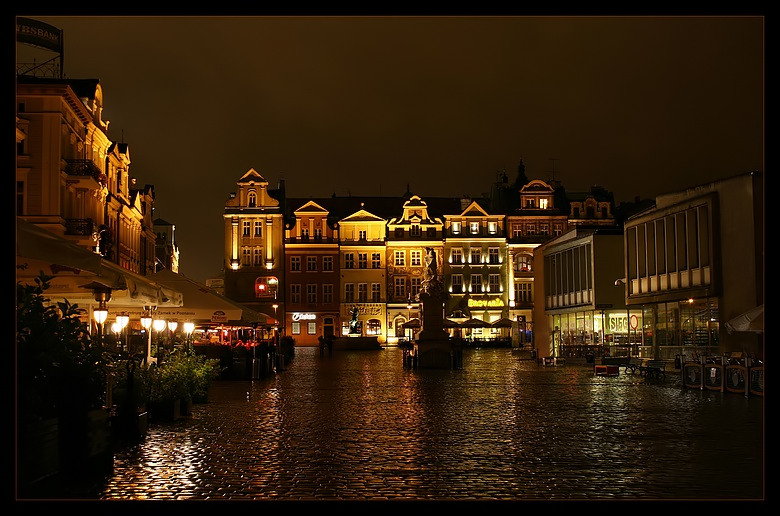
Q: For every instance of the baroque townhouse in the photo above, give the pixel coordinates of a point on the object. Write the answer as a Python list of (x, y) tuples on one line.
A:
[(313, 275), (408, 238), (254, 246), (74, 182), (475, 265), (592, 208), (369, 253), (363, 272), (536, 220)]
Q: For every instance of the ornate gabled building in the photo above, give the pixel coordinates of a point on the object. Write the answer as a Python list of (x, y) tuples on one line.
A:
[(536, 220), (363, 274), (74, 182), (312, 286), (592, 208), (474, 263), (408, 237), (254, 245)]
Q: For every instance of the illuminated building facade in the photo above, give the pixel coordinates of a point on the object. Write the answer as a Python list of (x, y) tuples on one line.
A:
[(312, 275), (485, 254), (254, 246), (584, 313), (694, 263), (362, 248), (72, 180), (536, 220), (475, 265), (165, 248), (408, 238)]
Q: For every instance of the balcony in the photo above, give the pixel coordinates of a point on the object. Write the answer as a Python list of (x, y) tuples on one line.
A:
[(84, 167), (82, 227)]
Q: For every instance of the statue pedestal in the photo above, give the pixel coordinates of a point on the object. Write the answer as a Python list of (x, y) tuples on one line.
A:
[(433, 347), (356, 343)]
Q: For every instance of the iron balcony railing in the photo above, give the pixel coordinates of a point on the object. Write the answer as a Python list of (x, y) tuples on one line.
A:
[(84, 167)]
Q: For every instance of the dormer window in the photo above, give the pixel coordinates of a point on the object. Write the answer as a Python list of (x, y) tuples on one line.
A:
[(456, 228), (415, 231), (543, 203), (474, 226), (252, 199)]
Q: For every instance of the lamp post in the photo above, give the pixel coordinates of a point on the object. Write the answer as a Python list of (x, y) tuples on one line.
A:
[(146, 322), (172, 325), (100, 314), (121, 321), (189, 327), (159, 325), (409, 314)]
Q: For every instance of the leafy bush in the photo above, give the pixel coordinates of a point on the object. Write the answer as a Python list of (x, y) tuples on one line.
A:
[(183, 376), (60, 368)]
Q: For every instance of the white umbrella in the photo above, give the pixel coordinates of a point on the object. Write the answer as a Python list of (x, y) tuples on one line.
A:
[(750, 321)]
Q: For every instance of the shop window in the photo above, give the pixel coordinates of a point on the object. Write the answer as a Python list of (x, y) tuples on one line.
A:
[(373, 327), (266, 287)]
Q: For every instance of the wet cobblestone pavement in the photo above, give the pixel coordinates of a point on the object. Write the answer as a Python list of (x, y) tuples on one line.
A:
[(357, 426)]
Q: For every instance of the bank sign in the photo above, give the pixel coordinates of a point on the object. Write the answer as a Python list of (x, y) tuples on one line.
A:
[(39, 34)]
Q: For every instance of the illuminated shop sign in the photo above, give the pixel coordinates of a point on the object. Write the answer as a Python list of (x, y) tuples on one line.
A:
[(485, 302), (620, 323), (297, 316)]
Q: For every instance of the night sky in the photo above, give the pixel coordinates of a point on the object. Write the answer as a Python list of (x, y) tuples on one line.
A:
[(366, 105)]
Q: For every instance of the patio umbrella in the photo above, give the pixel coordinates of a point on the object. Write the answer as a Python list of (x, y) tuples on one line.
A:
[(475, 323), (503, 323), (446, 323), (412, 323)]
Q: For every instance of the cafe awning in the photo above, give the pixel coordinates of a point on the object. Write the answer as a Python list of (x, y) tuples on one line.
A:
[(76, 272), (202, 304)]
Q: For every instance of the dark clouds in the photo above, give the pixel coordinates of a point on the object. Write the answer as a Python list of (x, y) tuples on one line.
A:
[(366, 105)]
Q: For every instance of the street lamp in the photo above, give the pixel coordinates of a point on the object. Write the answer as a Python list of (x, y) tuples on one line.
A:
[(409, 314), (159, 325), (146, 322), (121, 321), (189, 327), (100, 314)]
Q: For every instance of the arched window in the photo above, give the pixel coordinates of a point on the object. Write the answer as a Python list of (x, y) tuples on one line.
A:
[(523, 263), (252, 199), (373, 327)]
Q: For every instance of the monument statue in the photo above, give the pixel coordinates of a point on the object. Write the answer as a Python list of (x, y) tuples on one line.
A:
[(353, 322), (431, 283)]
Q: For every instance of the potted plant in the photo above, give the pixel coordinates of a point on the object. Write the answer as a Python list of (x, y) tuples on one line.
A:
[(180, 379)]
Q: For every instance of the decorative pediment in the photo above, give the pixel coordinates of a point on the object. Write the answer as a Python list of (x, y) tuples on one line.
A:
[(310, 208), (474, 210), (252, 176), (362, 216)]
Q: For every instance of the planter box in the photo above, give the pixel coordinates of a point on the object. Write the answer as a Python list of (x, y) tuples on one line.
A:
[(165, 411), (39, 454)]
